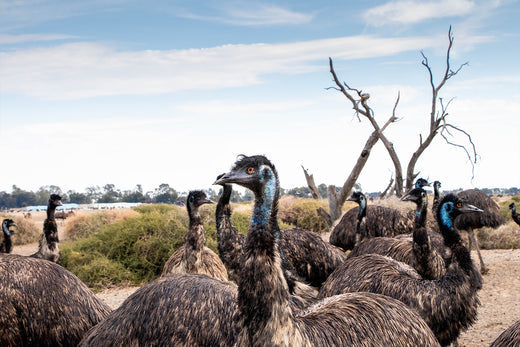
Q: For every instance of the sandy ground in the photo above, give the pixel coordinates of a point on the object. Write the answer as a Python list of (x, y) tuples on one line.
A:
[(500, 295)]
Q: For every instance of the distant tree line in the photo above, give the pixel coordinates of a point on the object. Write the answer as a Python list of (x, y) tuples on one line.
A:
[(164, 194)]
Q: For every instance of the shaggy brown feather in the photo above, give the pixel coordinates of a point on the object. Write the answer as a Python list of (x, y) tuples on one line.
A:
[(424, 250), (43, 304), (379, 221), (176, 310), (307, 259), (448, 305), (313, 258), (193, 256), (509, 337), (491, 217), (264, 317)]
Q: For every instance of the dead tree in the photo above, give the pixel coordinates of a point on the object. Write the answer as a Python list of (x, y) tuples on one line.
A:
[(438, 118), (438, 125), (336, 198)]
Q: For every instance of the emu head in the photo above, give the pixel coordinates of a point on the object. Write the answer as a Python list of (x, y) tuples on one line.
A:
[(254, 172), (197, 198), (6, 224), (421, 182), (55, 200)]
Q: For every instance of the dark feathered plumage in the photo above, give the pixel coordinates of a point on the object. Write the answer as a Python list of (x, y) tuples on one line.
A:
[(490, 218), (448, 305), (514, 214), (175, 310), (43, 304), (377, 221), (194, 256), (7, 245), (264, 317), (306, 257), (509, 337), (418, 250), (48, 248), (229, 241)]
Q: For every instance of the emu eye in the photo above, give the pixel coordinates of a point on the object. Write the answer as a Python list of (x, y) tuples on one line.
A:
[(250, 170), (459, 205)]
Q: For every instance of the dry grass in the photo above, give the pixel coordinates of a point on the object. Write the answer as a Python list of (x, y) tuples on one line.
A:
[(26, 230), (506, 236)]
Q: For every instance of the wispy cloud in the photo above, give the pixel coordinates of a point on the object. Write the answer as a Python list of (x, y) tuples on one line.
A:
[(80, 70), (6, 39), (253, 14), (415, 11)]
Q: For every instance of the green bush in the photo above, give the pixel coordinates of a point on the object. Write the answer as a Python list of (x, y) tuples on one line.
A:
[(139, 245)]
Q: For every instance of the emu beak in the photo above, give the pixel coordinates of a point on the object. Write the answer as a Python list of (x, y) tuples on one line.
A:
[(409, 197), (230, 177), (208, 201), (470, 208)]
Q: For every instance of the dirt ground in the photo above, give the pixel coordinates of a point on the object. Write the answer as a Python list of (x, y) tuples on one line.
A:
[(500, 295)]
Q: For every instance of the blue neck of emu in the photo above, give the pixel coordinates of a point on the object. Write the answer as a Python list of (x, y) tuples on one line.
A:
[(452, 237), (262, 292)]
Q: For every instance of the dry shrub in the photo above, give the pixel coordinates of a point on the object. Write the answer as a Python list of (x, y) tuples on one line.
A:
[(84, 223), (506, 236), (302, 213), (25, 231)]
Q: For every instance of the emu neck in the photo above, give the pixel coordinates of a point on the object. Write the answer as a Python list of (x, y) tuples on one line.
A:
[(362, 209), (263, 295), (195, 238), (7, 244), (453, 240), (421, 213), (51, 211), (223, 213)]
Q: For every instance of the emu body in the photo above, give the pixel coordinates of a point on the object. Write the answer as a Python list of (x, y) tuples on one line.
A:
[(48, 248), (264, 315), (448, 305), (194, 256), (43, 304)]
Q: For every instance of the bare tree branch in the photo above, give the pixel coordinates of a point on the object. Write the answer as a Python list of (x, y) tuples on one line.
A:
[(310, 183)]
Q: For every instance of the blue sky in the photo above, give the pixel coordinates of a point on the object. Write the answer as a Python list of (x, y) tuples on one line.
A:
[(151, 92)]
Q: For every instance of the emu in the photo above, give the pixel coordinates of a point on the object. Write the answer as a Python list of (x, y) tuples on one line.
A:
[(264, 316), (514, 214), (49, 242), (509, 337), (448, 305), (306, 258), (491, 218), (369, 221), (423, 250), (43, 304), (7, 245), (194, 256)]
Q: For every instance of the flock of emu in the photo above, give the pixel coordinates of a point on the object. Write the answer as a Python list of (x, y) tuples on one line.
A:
[(407, 281)]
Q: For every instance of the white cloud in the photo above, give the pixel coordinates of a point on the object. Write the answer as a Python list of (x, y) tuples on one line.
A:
[(80, 70), (415, 11), (252, 14)]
